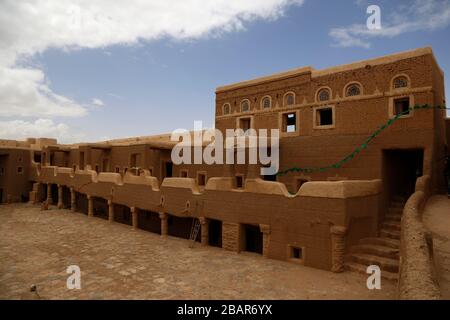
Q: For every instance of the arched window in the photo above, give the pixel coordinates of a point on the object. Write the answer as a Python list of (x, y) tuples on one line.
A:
[(245, 106), (266, 103), (289, 99), (353, 90), (400, 82), (226, 108), (323, 95)]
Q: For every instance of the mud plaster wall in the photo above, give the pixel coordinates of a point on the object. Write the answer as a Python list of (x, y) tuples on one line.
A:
[(14, 183)]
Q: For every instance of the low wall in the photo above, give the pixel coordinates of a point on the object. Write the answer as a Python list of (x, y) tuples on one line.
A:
[(416, 278)]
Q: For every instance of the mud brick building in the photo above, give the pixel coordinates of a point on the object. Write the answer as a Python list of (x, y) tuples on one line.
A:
[(342, 217)]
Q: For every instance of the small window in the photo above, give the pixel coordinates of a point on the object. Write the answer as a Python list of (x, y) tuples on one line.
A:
[(19, 159), (324, 117), (2, 171), (201, 179), (74, 167), (239, 182), (150, 170), (19, 170), (226, 108), (245, 124), (290, 122), (183, 173), (125, 170), (324, 95), (400, 82), (245, 106), (117, 169), (353, 90), (289, 99), (97, 168), (266, 103), (401, 106), (296, 253)]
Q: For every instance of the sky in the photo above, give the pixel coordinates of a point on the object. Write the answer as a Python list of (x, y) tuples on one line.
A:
[(90, 70)]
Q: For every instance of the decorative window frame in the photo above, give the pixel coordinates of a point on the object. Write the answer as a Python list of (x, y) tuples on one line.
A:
[(223, 109), (297, 124), (284, 99), (262, 102), (361, 89), (319, 127), (391, 105), (317, 100), (249, 105), (392, 88)]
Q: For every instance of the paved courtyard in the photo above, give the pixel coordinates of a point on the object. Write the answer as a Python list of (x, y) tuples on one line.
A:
[(117, 262)]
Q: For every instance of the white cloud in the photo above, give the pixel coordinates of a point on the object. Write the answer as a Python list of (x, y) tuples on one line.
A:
[(421, 15), (19, 129), (97, 102)]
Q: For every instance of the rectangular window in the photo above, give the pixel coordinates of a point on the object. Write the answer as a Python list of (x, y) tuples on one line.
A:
[(324, 117), (296, 254), (19, 170), (117, 169), (401, 106), (183, 173), (245, 124), (2, 171), (289, 122)]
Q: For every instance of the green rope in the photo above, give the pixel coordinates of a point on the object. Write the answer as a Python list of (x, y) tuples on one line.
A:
[(363, 146)]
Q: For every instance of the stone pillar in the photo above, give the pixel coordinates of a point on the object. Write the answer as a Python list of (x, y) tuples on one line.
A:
[(337, 248), (90, 206), (60, 197), (164, 226), (231, 236), (134, 217), (265, 229), (49, 193), (204, 222), (110, 211), (73, 200)]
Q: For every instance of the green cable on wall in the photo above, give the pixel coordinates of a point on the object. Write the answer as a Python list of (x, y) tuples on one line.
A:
[(363, 146)]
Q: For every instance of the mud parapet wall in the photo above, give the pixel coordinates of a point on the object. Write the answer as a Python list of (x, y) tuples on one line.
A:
[(306, 221), (417, 277)]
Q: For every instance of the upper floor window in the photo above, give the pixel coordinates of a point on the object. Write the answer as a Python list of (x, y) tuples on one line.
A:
[(353, 90), (400, 82), (266, 103), (245, 106), (323, 95), (289, 99), (226, 108)]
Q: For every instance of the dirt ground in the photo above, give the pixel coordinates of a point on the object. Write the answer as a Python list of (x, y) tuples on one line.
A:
[(116, 262), (436, 218)]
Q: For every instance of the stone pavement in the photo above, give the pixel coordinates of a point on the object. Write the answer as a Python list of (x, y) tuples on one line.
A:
[(116, 262), (436, 218)]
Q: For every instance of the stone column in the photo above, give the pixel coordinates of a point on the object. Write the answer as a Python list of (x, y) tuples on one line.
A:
[(164, 226), (134, 217), (110, 211), (90, 206), (337, 248), (60, 197), (204, 222), (73, 200), (265, 229), (49, 193)]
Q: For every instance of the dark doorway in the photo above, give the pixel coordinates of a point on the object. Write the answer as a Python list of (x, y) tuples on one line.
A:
[(122, 214), (81, 203), (66, 197), (54, 193), (168, 169), (100, 208), (149, 221), (181, 227), (253, 238), (215, 233), (1, 195), (401, 168)]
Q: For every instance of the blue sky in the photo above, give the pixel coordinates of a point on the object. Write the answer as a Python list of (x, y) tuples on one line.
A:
[(120, 88)]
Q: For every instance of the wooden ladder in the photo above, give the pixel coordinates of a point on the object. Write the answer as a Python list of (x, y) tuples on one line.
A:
[(194, 232)]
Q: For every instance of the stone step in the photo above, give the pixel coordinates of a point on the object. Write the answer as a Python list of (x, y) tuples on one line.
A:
[(391, 225), (377, 250), (387, 242), (385, 264), (394, 234), (360, 268)]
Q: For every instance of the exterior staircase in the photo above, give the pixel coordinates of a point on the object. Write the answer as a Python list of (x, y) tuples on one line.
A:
[(383, 250)]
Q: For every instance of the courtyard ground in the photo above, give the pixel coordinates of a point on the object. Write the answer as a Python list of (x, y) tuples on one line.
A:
[(116, 262), (436, 218)]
